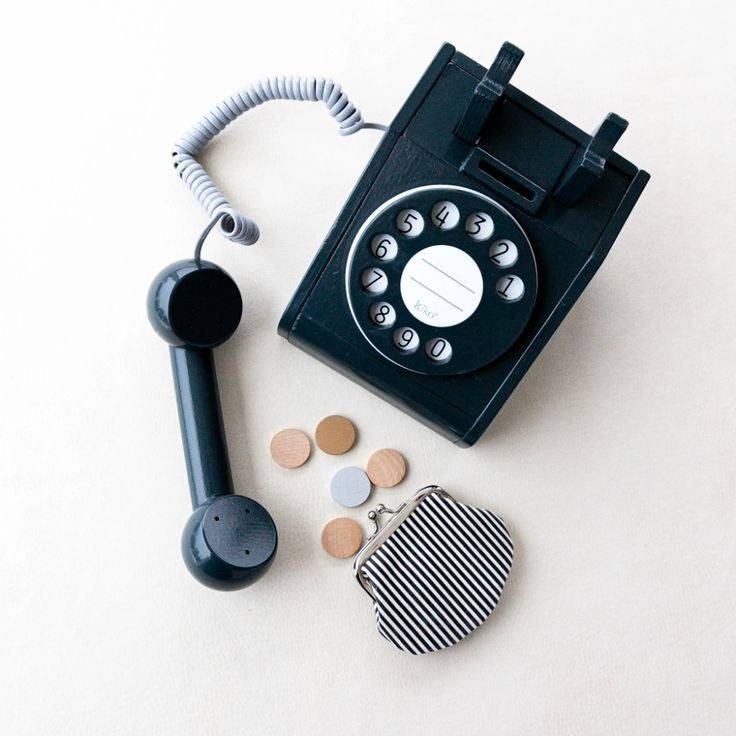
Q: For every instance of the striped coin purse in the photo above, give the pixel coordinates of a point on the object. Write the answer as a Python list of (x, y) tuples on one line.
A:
[(435, 570)]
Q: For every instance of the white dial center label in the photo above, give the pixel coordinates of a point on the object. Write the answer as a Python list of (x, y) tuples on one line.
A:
[(441, 286)]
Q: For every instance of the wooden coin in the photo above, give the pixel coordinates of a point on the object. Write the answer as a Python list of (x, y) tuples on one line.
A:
[(386, 468), (342, 537), (335, 435), (290, 448)]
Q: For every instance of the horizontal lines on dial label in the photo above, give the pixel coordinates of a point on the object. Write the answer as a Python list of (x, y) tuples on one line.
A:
[(441, 286)]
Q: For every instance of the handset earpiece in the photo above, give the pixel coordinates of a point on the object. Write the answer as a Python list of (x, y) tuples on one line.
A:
[(229, 540)]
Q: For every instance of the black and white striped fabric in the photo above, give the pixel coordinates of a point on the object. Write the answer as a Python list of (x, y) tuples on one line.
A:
[(439, 575)]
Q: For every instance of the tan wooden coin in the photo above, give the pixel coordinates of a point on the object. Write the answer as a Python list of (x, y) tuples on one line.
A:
[(342, 537), (386, 468), (290, 448), (335, 435)]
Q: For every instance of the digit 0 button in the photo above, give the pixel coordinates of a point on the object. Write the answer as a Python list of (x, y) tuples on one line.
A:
[(386, 468), (342, 537), (335, 435), (290, 448), (438, 349), (350, 487)]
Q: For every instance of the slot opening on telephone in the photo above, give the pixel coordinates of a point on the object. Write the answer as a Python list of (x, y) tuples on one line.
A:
[(488, 168)]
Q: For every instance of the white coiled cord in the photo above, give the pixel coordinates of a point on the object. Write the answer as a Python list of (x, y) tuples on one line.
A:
[(236, 226)]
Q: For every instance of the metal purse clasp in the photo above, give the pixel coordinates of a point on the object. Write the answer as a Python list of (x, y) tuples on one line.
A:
[(380, 533), (375, 514)]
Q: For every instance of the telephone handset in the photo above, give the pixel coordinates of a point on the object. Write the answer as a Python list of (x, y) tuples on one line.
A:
[(230, 540), (476, 225)]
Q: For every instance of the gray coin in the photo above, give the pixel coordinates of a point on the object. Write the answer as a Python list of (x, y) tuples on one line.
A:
[(350, 487)]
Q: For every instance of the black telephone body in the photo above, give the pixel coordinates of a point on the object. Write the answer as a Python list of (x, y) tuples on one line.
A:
[(476, 225)]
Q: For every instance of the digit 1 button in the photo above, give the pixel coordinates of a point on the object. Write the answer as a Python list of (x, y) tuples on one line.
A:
[(445, 215), (383, 314), (384, 247), (438, 349), (409, 223), (479, 226), (374, 280), (406, 339), (503, 253), (510, 288)]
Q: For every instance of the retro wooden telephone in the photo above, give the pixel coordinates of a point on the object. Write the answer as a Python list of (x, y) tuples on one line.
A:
[(475, 227)]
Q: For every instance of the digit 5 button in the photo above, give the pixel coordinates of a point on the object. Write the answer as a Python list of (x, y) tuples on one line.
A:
[(410, 223)]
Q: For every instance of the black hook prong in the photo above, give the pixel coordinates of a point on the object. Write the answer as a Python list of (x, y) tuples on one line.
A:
[(488, 91), (588, 164)]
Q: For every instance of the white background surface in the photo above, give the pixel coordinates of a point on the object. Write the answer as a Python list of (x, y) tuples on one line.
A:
[(613, 462)]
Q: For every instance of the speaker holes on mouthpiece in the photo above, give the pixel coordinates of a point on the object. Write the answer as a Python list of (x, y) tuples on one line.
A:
[(217, 518), (247, 551)]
